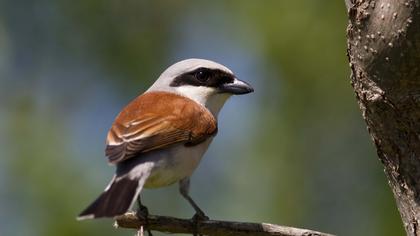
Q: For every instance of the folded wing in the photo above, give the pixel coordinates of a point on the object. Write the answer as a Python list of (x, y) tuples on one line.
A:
[(156, 120)]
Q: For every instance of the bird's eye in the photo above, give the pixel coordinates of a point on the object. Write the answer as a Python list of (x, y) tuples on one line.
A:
[(202, 75)]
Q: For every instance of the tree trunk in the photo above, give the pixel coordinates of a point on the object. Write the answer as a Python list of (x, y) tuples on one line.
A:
[(384, 54)]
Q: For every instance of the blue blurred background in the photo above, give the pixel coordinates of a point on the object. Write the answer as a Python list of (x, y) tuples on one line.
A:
[(296, 152)]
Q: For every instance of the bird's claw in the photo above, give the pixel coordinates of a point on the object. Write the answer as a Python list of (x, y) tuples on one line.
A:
[(200, 216), (197, 218), (143, 213)]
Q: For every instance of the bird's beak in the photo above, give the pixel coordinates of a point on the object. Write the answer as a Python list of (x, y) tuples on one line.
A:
[(236, 87)]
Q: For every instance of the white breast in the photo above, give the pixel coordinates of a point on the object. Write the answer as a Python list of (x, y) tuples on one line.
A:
[(173, 164)]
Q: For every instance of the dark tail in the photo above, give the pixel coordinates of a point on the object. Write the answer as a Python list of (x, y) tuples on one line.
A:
[(115, 200)]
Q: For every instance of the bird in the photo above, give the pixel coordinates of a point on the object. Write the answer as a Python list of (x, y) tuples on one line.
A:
[(160, 137)]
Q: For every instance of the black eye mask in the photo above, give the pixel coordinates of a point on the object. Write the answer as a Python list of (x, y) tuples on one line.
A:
[(203, 77)]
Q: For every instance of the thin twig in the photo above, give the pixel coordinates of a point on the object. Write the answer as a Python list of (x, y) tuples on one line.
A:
[(211, 227)]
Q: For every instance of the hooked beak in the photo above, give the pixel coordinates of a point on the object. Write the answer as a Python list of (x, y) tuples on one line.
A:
[(237, 87)]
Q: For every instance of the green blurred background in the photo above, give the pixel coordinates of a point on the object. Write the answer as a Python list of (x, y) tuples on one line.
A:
[(296, 152)]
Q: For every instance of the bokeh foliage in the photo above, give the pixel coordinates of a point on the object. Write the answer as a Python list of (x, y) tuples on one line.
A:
[(295, 152)]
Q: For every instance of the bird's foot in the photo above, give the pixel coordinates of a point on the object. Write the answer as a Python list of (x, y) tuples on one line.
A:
[(143, 213), (197, 218), (200, 216)]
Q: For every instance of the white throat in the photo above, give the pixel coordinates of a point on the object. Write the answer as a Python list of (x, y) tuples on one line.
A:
[(205, 96)]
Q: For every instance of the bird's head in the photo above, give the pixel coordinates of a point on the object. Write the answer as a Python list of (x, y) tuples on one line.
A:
[(206, 82)]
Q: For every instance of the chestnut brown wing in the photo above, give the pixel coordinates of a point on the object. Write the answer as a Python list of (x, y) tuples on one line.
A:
[(156, 120)]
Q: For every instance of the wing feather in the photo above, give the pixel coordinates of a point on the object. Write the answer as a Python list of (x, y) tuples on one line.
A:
[(156, 120)]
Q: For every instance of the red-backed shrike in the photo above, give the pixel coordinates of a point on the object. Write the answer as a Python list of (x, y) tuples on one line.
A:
[(160, 137)]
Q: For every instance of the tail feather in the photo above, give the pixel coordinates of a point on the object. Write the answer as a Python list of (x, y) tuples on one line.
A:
[(115, 200), (122, 191)]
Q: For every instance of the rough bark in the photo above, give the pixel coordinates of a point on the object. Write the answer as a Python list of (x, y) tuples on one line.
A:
[(384, 54), (210, 227)]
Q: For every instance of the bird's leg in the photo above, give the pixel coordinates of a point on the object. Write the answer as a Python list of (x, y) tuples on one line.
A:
[(143, 213), (184, 186)]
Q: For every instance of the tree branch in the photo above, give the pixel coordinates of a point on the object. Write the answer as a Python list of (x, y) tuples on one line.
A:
[(210, 227)]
